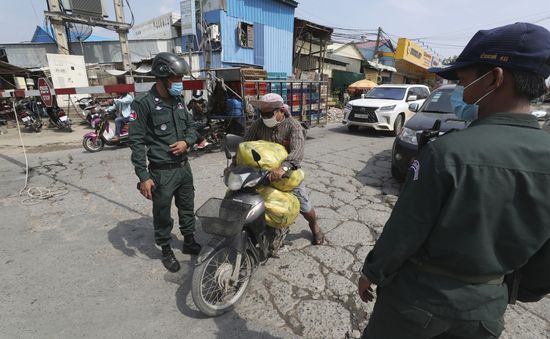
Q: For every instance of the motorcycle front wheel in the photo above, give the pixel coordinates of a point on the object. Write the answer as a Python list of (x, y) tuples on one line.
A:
[(213, 289), (91, 146)]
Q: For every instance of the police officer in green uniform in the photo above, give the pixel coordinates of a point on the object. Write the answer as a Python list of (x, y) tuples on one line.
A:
[(165, 127), (476, 203)]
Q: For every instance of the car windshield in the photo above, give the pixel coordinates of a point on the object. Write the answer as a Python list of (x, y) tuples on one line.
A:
[(438, 102), (390, 93)]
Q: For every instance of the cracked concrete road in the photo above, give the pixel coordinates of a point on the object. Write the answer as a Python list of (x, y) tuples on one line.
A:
[(83, 264)]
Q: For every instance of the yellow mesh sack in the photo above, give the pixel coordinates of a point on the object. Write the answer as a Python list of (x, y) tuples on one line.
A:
[(272, 154), (281, 208), (288, 184)]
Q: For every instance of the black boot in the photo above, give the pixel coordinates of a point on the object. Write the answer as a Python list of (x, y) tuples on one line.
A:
[(169, 259), (190, 246)]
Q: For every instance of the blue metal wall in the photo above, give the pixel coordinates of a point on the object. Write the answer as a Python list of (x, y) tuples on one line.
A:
[(268, 12), (273, 34)]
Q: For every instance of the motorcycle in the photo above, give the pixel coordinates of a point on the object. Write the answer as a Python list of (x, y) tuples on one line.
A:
[(59, 119), (92, 110), (212, 133), (29, 114), (103, 135), (240, 242)]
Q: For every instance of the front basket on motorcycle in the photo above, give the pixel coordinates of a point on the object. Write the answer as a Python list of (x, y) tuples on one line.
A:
[(222, 217)]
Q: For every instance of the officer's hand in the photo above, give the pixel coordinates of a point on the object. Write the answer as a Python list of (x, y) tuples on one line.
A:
[(178, 148), (146, 188), (276, 174), (365, 290)]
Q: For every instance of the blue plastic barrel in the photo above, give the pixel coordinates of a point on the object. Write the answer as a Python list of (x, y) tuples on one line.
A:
[(234, 107)]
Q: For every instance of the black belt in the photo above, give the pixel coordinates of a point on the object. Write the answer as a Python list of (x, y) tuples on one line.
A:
[(479, 279), (167, 166)]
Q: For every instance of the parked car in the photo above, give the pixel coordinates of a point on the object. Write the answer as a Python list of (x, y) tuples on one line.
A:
[(436, 107), (384, 108)]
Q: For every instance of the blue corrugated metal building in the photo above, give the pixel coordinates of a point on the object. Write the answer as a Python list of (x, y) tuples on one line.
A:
[(255, 32)]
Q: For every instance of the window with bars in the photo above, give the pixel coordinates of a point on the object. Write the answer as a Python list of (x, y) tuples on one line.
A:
[(246, 35)]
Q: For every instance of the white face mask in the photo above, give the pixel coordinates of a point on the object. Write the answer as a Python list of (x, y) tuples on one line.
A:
[(271, 122)]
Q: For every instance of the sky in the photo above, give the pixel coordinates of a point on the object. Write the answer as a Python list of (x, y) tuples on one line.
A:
[(445, 25)]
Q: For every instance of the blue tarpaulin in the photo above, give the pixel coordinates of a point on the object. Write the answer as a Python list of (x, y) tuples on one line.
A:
[(41, 35)]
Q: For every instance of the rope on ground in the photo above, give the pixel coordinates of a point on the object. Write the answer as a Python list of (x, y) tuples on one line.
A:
[(34, 194)]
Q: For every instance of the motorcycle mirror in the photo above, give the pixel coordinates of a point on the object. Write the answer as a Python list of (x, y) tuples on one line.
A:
[(232, 141), (256, 156), (227, 153)]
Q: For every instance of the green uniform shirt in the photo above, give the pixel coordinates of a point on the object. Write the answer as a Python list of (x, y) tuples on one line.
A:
[(158, 125), (476, 203)]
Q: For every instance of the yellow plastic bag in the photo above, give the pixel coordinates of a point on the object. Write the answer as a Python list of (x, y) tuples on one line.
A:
[(272, 154), (281, 208), (290, 183)]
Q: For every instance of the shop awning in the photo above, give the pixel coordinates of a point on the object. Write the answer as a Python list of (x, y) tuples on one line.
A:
[(381, 67), (9, 69)]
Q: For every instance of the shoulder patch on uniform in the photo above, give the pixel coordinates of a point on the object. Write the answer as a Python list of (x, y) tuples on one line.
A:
[(415, 167)]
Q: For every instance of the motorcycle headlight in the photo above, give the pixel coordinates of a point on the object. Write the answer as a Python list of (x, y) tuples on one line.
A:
[(234, 181), (408, 135), (386, 108)]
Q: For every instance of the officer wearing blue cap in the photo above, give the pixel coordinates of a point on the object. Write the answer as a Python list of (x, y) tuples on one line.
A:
[(475, 208)]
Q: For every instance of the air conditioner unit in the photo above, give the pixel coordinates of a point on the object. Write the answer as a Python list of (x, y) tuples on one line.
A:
[(177, 49), (214, 33), (92, 8)]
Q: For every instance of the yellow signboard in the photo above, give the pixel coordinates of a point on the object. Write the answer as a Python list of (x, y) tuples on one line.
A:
[(411, 52)]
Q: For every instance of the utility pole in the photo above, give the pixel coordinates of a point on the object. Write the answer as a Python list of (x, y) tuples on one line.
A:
[(123, 38), (377, 47), (377, 50), (59, 28)]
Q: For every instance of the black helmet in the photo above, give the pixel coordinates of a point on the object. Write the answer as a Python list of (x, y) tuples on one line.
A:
[(197, 94), (168, 64)]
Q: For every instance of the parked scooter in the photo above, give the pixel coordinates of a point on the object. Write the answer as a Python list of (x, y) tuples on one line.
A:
[(29, 113), (240, 238), (103, 135), (59, 119), (211, 135)]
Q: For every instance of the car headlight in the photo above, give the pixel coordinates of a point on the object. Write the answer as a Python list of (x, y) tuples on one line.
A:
[(348, 108), (408, 135), (386, 108), (234, 181)]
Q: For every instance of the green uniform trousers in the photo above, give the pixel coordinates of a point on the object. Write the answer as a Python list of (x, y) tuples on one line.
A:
[(392, 319), (177, 183)]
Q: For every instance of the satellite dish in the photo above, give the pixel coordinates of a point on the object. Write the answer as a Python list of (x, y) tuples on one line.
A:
[(79, 32)]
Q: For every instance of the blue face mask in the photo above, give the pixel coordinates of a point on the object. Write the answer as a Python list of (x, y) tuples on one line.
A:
[(175, 89), (462, 110)]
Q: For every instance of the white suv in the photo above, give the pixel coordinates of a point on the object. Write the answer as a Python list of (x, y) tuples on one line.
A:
[(384, 108)]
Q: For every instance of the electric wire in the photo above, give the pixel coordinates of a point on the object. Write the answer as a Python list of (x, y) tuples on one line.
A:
[(34, 195)]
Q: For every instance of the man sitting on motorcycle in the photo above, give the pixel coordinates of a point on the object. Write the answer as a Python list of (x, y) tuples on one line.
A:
[(197, 106), (122, 106), (277, 125)]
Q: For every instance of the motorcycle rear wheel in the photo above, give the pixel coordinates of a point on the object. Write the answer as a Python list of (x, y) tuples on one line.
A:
[(91, 146), (212, 289)]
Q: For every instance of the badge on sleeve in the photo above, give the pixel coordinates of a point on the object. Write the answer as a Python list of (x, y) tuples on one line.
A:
[(415, 167), (163, 127), (180, 105)]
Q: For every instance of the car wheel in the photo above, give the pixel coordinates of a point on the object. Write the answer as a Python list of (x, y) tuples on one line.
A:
[(397, 174), (353, 128), (398, 124)]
